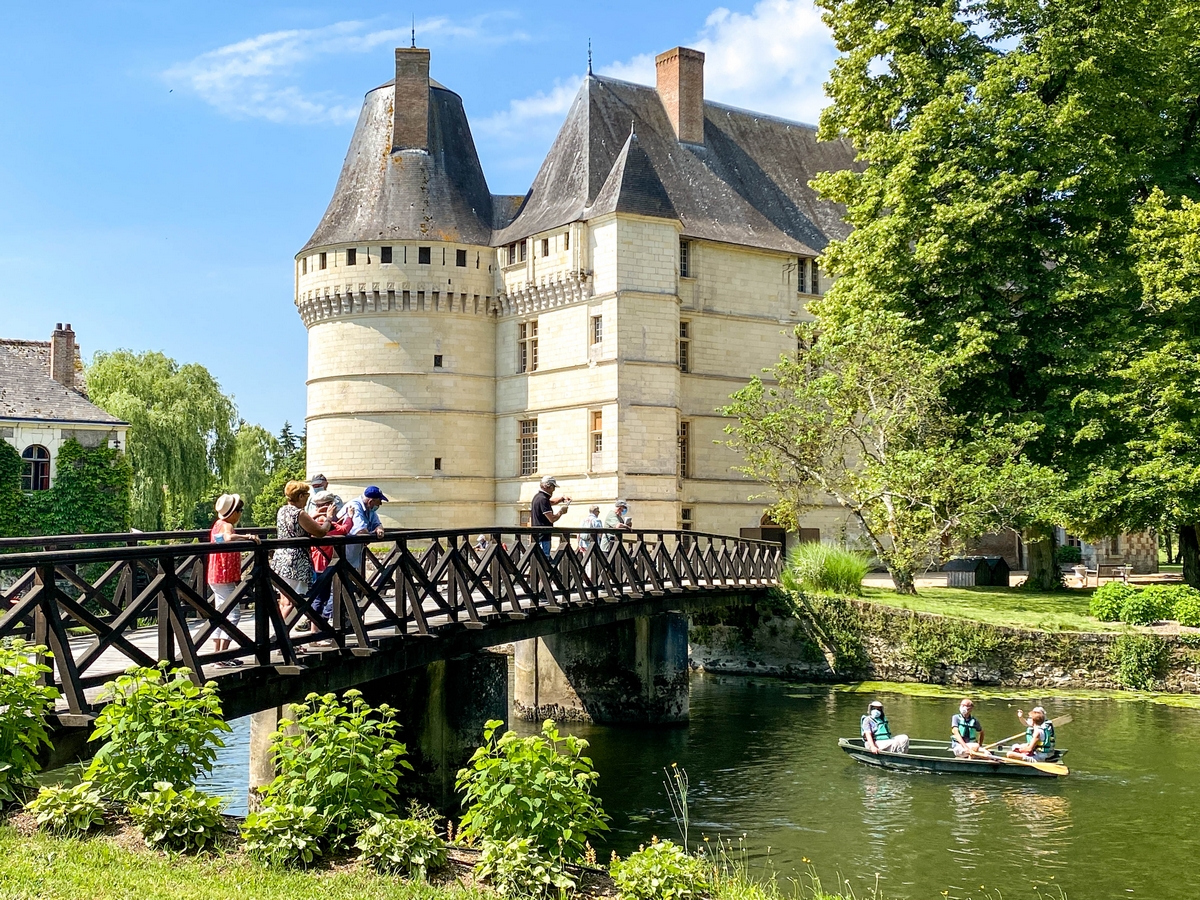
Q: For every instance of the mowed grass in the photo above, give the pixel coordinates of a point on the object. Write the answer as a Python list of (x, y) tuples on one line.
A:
[(1065, 610)]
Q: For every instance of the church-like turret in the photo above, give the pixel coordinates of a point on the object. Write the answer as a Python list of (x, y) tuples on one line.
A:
[(397, 288)]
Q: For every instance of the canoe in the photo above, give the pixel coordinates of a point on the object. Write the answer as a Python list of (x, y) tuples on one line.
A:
[(936, 757)]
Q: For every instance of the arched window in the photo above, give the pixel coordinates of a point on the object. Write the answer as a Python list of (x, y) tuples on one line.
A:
[(37, 468)]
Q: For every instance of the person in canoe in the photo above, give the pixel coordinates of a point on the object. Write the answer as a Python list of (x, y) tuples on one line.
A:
[(877, 734), (966, 734), (1039, 737)]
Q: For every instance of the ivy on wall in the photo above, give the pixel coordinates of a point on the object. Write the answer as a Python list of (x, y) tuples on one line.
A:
[(90, 493)]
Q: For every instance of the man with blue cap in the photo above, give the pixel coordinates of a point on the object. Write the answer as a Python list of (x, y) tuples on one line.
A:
[(366, 521)]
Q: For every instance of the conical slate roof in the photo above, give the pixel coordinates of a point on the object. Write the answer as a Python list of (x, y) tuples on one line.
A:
[(439, 195), (748, 183)]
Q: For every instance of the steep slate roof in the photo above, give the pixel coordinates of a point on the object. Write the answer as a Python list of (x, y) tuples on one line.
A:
[(410, 195), (633, 186), (747, 185), (28, 392)]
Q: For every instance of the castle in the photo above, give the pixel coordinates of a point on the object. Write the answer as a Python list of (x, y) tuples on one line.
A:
[(462, 344)]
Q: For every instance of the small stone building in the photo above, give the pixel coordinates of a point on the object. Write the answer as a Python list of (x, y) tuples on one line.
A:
[(43, 404), (463, 344)]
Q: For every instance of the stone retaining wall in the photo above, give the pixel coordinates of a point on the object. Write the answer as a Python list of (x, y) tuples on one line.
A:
[(841, 641)]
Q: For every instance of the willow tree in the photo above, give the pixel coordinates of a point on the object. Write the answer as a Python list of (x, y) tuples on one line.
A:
[(1006, 146), (859, 418), (181, 428)]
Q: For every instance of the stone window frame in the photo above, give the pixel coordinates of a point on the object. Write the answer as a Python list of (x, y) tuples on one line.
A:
[(385, 255), (596, 432), (545, 247), (35, 475), (685, 260), (424, 256), (816, 278), (304, 265), (527, 446), (685, 449), (460, 257), (527, 346), (685, 346), (687, 520), (352, 256), (323, 260), (597, 329)]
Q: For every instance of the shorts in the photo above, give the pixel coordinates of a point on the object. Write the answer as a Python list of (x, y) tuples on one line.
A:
[(221, 594)]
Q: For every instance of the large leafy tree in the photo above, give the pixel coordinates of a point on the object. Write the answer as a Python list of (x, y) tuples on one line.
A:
[(180, 435), (1006, 146)]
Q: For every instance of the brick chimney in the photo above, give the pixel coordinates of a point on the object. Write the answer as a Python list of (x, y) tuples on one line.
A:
[(681, 89), (410, 106), (62, 355)]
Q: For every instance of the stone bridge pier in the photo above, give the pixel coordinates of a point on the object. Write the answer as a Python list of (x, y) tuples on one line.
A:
[(629, 672)]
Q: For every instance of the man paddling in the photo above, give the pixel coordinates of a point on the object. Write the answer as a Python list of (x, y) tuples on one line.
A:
[(966, 734), (877, 734), (1039, 737)]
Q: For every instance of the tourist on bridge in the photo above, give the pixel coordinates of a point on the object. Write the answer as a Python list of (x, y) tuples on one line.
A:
[(320, 485), (618, 517), (225, 569), (365, 515), (541, 510), (591, 521), (966, 734), (877, 733), (325, 510), (293, 564), (1039, 737)]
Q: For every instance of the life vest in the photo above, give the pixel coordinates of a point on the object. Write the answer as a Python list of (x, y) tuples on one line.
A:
[(968, 729), (882, 732), (1047, 729)]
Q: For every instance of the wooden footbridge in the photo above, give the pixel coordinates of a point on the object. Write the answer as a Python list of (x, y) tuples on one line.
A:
[(418, 597)]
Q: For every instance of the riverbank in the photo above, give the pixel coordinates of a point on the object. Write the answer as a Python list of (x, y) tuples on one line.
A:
[(839, 640)]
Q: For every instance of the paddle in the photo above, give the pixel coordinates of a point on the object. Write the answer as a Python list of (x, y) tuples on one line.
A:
[(1051, 768), (1062, 720)]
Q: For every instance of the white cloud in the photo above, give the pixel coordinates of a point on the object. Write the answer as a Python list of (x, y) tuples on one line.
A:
[(258, 77), (531, 112)]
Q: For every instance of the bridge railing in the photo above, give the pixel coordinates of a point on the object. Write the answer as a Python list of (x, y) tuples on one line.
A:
[(105, 609)]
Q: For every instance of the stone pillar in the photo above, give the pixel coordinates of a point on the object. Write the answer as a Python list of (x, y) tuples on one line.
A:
[(633, 672), (262, 768)]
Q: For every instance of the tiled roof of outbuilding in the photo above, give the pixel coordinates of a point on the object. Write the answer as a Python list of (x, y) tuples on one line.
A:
[(28, 392)]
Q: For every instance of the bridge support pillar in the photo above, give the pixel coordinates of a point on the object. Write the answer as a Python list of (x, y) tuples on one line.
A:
[(263, 724), (633, 672), (442, 709)]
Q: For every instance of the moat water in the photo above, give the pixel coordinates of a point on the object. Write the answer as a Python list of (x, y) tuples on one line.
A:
[(763, 761)]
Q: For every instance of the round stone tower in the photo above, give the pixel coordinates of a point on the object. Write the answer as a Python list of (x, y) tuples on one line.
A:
[(397, 289)]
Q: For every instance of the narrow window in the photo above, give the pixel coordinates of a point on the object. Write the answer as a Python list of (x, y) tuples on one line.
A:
[(545, 247), (304, 266), (437, 360), (437, 464), (460, 258), (529, 448), (816, 279), (566, 240), (512, 254), (352, 256), (477, 260), (686, 520), (524, 517), (406, 253), (597, 431), (685, 270), (801, 276), (423, 256), (685, 347), (443, 256), (597, 329), (527, 346), (521, 248), (385, 254), (684, 451), (323, 260), (36, 475)]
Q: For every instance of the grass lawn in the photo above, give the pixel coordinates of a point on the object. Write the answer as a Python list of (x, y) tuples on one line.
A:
[(1065, 610)]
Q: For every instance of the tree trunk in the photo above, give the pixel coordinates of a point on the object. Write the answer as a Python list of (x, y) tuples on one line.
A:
[(903, 581), (1189, 554), (1044, 574), (1168, 546)]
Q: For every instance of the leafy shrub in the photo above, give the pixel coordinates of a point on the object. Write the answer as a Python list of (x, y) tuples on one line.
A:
[(68, 810), (1139, 660), (180, 821), (408, 847), (23, 706), (157, 726), (825, 569), (284, 835), (538, 787), (518, 867), (1187, 605), (662, 871), (1108, 599), (341, 760), (1068, 555), (1145, 607)]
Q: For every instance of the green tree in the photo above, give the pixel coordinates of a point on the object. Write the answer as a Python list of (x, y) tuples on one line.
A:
[(267, 504), (1006, 146), (180, 435), (255, 455), (859, 417)]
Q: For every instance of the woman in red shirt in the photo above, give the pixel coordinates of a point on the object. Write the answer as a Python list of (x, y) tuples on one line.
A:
[(225, 569)]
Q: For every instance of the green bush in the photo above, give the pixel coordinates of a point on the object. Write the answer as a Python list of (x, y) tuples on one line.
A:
[(23, 706), (1139, 660), (1145, 607), (157, 726), (283, 835), (1108, 599), (661, 871), (518, 867), (179, 821), (1068, 555), (407, 847), (341, 760), (825, 569), (1186, 607), (68, 810), (538, 787)]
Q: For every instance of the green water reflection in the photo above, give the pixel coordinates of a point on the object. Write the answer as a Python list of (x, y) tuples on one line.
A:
[(763, 761)]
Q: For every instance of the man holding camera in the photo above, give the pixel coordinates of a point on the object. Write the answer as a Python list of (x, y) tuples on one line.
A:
[(541, 510)]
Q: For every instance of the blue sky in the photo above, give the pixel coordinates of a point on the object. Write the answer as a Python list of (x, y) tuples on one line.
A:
[(162, 162)]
